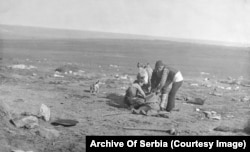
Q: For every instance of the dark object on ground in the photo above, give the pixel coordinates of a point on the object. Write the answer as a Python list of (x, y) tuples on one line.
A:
[(65, 122), (171, 131), (247, 127), (216, 94), (115, 114), (227, 129), (18, 100), (67, 68), (197, 101)]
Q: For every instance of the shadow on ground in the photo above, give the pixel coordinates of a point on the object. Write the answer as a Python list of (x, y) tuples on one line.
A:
[(116, 100), (87, 91), (247, 127)]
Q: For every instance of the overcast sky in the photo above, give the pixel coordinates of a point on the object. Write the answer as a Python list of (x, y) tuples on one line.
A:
[(221, 20)]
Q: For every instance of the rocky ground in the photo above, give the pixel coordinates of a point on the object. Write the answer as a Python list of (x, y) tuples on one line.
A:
[(57, 73), (28, 83)]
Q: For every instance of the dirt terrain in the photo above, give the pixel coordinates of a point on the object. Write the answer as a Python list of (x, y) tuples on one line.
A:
[(28, 79)]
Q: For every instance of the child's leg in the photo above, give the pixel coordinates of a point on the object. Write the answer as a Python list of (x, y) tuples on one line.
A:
[(142, 109), (171, 95), (154, 109), (163, 101), (137, 102), (164, 95)]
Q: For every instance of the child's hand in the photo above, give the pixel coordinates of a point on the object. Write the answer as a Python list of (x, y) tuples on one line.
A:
[(154, 90)]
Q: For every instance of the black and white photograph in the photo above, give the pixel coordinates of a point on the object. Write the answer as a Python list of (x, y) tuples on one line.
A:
[(76, 68)]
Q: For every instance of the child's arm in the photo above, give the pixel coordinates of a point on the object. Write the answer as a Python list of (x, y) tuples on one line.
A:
[(163, 79), (153, 80), (138, 87)]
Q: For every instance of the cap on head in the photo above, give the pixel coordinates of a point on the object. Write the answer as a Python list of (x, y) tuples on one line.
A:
[(159, 63)]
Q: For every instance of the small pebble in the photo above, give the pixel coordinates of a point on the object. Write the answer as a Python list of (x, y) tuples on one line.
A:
[(172, 131)]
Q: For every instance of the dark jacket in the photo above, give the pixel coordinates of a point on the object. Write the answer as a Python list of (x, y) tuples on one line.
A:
[(159, 79)]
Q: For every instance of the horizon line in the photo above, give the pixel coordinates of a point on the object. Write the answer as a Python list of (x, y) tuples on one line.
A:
[(146, 37)]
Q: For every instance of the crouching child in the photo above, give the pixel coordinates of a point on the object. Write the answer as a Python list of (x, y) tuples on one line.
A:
[(135, 96)]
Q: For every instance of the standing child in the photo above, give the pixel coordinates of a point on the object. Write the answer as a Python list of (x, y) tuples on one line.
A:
[(162, 77)]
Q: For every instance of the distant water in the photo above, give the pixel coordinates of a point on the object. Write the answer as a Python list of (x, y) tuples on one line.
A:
[(191, 59)]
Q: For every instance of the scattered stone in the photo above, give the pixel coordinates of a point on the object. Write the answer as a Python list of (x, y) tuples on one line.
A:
[(125, 77), (26, 114), (212, 115), (48, 133), (179, 98), (236, 88), (116, 76), (207, 85), (216, 94), (197, 101), (232, 81), (245, 99), (206, 79), (20, 151), (194, 84), (28, 122), (188, 98), (235, 99), (44, 112), (197, 109), (22, 66), (227, 129), (229, 116), (220, 87), (55, 82), (223, 129), (246, 85), (4, 111), (67, 68), (79, 73), (17, 151), (216, 117), (204, 73), (18, 100), (58, 76), (123, 88), (113, 66), (229, 78), (172, 131)]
